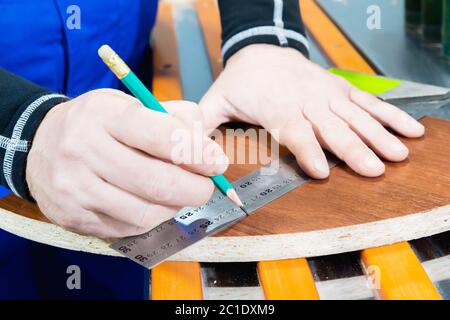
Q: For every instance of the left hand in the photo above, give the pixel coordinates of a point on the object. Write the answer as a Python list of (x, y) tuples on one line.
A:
[(279, 89)]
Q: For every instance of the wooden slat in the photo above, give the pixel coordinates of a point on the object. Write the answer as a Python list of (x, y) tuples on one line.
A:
[(171, 280), (208, 15), (166, 80), (331, 40), (398, 273), (177, 281), (288, 279), (401, 274)]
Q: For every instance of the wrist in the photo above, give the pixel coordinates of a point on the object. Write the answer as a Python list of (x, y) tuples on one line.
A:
[(21, 133), (254, 51)]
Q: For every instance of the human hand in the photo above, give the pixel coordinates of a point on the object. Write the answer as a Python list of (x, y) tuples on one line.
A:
[(103, 165), (311, 109)]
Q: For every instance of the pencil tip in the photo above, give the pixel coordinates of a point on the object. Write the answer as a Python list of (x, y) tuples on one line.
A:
[(232, 194)]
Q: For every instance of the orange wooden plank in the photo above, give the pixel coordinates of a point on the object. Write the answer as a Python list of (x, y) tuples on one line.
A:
[(177, 281), (332, 41), (401, 276), (166, 80), (171, 280), (290, 279), (287, 280), (397, 273), (209, 17)]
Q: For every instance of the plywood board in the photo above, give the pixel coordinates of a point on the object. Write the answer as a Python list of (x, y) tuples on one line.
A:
[(344, 213)]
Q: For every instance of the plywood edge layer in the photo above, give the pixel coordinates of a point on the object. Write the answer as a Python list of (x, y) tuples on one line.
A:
[(52, 235), (255, 248)]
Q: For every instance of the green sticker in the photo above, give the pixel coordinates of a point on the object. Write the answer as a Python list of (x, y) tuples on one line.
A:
[(366, 82)]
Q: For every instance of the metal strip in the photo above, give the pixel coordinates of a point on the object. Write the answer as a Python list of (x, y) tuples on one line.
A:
[(390, 48), (412, 91), (191, 225)]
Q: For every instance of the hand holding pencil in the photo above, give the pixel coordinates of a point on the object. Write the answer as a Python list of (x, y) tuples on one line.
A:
[(101, 166), (123, 72)]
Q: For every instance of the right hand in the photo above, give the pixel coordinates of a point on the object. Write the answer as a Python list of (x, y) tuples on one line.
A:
[(102, 165)]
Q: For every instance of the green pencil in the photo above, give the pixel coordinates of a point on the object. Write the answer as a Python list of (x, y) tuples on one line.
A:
[(140, 91)]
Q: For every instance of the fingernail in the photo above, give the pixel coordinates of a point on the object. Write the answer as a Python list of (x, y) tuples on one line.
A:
[(398, 147), (221, 164), (411, 123), (418, 126), (321, 167), (373, 165)]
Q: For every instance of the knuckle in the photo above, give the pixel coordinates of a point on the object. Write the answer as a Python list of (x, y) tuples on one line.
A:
[(374, 129), (310, 110), (151, 216), (205, 192), (72, 221), (191, 105), (391, 112), (61, 187), (340, 81), (142, 220), (92, 229), (69, 149), (305, 124), (331, 126), (355, 93), (161, 188), (153, 143)]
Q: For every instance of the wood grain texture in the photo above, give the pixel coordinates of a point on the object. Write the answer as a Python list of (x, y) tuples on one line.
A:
[(418, 184)]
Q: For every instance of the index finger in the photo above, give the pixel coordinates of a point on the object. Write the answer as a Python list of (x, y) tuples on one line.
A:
[(165, 137)]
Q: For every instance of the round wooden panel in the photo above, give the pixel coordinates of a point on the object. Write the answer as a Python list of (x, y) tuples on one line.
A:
[(419, 184), (343, 213)]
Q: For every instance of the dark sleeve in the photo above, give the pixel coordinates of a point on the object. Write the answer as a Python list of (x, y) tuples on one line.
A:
[(23, 105), (276, 22)]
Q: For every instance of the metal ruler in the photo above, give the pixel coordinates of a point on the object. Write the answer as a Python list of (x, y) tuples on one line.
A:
[(191, 225)]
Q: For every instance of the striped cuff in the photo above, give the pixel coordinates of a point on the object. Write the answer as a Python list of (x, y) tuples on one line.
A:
[(17, 139), (276, 22)]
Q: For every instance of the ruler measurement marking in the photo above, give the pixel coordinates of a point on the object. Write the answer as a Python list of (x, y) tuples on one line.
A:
[(193, 224)]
